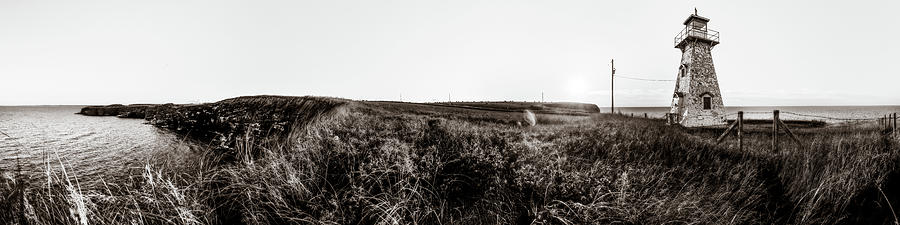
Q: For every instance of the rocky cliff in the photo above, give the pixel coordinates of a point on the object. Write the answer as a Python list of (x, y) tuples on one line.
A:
[(227, 123), (114, 110)]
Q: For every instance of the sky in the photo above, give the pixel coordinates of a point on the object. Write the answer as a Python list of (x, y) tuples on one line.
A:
[(185, 51)]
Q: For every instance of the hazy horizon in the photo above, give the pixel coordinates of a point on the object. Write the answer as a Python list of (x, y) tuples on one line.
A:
[(602, 107), (772, 53)]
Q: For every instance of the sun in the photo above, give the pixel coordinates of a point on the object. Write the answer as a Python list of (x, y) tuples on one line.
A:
[(577, 86)]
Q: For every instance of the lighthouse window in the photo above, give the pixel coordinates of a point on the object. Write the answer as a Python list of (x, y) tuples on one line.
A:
[(707, 102), (697, 25)]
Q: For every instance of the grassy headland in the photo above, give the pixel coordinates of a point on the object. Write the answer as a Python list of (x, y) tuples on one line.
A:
[(310, 160)]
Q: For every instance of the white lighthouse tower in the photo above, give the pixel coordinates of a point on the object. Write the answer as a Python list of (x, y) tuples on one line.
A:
[(697, 100)]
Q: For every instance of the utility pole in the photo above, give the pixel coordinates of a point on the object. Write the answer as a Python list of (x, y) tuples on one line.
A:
[(612, 87)]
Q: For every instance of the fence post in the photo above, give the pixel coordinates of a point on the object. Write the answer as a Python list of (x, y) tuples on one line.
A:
[(740, 131), (775, 130), (894, 130), (645, 115)]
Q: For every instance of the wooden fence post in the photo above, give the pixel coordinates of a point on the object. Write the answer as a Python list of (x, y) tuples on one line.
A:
[(740, 131), (894, 129), (775, 130), (645, 115)]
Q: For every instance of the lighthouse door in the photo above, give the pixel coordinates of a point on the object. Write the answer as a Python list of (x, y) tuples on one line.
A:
[(677, 106)]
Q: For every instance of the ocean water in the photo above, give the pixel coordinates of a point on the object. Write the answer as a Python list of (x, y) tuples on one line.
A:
[(830, 114), (88, 147)]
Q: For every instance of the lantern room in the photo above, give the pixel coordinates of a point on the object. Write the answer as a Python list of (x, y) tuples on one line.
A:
[(695, 29)]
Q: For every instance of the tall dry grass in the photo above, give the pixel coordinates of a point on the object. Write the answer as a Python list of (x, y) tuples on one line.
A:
[(374, 163), (147, 198)]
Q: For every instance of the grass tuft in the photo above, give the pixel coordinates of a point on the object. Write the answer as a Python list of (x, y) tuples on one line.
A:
[(346, 162)]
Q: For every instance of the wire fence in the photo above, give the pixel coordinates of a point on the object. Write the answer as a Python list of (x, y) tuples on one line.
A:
[(794, 115), (828, 117), (802, 115), (768, 115)]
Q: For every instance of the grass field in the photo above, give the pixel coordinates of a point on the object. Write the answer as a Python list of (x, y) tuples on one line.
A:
[(352, 162)]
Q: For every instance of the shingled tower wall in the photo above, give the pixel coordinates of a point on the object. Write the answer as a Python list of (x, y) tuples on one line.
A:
[(697, 100)]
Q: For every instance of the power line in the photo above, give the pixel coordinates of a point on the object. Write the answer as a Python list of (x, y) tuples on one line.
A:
[(641, 79)]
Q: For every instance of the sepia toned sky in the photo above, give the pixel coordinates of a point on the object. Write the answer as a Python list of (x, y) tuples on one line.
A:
[(184, 51)]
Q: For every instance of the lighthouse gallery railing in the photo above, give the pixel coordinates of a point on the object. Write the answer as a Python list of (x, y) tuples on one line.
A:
[(704, 33)]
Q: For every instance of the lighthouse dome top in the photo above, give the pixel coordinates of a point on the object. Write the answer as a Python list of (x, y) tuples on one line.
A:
[(695, 17)]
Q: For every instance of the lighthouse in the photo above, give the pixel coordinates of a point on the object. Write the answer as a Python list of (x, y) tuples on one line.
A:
[(697, 100)]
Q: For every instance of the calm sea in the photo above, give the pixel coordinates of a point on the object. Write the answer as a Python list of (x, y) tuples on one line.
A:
[(831, 114), (88, 147)]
